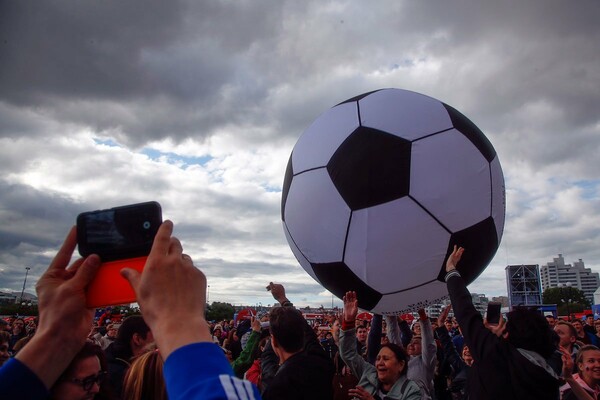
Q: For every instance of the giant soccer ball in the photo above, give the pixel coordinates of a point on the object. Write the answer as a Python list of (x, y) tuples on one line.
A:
[(380, 188)]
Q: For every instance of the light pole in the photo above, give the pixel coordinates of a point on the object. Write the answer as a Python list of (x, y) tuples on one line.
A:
[(24, 282), (207, 294)]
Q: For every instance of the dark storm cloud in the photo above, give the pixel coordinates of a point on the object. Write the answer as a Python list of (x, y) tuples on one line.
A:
[(33, 224)]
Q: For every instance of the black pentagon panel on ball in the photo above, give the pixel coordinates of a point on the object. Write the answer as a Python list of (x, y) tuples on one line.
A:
[(339, 279), (480, 242), (472, 132), (371, 167), (287, 182)]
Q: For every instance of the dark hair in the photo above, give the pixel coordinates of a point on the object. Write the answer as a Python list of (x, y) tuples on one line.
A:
[(400, 354), (131, 325), (89, 349), (287, 327), (529, 330), (4, 336)]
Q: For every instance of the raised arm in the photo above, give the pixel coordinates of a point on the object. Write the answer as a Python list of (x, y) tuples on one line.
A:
[(348, 337)]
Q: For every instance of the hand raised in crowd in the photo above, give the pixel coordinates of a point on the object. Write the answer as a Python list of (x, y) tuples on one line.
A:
[(422, 314), (350, 306), (255, 324), (444, 316), (64, 321), (174, 311), (454, 258), (278, 292)]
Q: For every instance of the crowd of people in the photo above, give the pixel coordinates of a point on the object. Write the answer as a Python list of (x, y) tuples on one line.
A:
[(171, 352)]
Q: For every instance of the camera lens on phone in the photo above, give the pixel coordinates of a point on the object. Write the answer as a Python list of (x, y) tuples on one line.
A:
[(146, 225)]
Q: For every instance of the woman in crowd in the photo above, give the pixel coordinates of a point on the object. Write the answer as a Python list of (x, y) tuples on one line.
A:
[(84, 378), (387, 378), (588, 363), (144, 379)]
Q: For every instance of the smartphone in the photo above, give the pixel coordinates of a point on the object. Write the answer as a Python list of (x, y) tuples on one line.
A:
[(122, 237), (493, 312)]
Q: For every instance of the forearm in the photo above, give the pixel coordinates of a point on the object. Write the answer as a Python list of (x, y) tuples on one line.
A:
[(374, 338), (393, 330), (428, 343), (38, 359)]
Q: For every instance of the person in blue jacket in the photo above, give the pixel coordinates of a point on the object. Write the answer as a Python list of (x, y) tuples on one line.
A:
[(172, 294)]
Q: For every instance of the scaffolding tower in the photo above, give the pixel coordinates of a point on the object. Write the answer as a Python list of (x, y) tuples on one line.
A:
[(524, 285)]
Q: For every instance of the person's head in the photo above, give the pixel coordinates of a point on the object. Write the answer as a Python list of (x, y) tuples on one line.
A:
[(551, 320), (144, 379), (588, 363), (578, 325), (112, 330), (84, 377), (597, 325), (391, 363), (4, 339), (528, 329), (18, 326), (361, 334), (566, 333), (384, 339), (286, 325), (218, 330), (414, 346), (416, 328), (134, 335), (4, 325), (466, 355), (589, 319)]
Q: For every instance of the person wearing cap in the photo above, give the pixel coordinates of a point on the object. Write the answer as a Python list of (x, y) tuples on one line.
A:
[(217, 334)]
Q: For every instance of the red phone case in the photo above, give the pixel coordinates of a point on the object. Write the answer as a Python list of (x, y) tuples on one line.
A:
[(109, 288)]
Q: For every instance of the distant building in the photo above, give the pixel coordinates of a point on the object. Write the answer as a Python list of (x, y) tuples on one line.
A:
[(557, 273), (480, 301), (523, 283), (502, 300)]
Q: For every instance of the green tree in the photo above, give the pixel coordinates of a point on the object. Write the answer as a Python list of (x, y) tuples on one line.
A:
[(568, 299), (219, 311)]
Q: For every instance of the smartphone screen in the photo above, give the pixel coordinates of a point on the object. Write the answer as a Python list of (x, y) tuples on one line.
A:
[(493, 312), (119, 233)]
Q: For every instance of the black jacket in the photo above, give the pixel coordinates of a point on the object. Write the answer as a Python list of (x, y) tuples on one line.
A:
[(499, 371)]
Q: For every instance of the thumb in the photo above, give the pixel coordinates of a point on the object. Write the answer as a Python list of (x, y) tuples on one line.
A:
[(133, 277)]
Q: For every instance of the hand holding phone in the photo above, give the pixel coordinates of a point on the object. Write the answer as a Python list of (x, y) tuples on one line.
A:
[(122, 237), (493, 312)]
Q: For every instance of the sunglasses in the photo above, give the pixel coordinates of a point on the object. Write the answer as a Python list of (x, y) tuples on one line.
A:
[(87, 382)]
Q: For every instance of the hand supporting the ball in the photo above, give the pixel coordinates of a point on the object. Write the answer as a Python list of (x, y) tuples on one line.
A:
[(350, 307), (444, 316), (454, 258)]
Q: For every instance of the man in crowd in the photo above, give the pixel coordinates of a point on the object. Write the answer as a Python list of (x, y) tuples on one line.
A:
[(294, 365), (361, 340), (567, 338), (583, 336), (551, 320)]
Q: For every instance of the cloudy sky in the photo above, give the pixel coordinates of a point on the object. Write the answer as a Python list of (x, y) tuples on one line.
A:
[(198, 105)]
